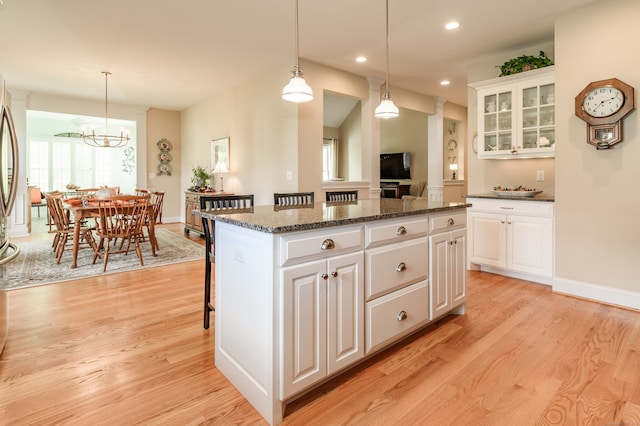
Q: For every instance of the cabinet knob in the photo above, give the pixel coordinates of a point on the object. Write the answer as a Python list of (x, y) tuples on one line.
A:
[(334, 274), (402, 315), (328, 244), (401, 267), (509, 222), (324, 276), (401, 230), (451, 222), (502, 221)]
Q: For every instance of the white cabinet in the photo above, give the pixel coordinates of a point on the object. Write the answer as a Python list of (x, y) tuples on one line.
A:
[(516, 115), (447, 264), (514, 236), (323, 319)]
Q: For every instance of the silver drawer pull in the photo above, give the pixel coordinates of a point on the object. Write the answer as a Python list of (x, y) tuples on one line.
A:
[(506, 208), (401, 267), (402, 315), (451, 222), (328, 244), (401, 230)]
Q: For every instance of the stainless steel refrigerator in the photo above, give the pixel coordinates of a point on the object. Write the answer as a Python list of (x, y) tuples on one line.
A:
[(8, 188)]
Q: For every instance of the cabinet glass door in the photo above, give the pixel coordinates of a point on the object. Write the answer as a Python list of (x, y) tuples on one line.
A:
[(538, 118), (498, 122)]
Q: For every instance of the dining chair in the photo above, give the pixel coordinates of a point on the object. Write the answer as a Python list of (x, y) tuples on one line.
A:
[(333, 196), (222, 204), (120, 217), (64, 228), (292, 198)]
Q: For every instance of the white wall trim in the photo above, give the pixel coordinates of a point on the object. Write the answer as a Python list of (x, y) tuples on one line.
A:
[(598, 293)]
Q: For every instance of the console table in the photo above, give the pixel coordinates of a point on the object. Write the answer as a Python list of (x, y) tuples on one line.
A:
[(191, 203), (393, 190)]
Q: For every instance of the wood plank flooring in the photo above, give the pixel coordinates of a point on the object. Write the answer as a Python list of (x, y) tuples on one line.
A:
[(130, 349)]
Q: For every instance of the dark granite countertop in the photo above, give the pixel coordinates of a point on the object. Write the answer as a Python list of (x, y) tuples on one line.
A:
[(539, 197), (275, 219)]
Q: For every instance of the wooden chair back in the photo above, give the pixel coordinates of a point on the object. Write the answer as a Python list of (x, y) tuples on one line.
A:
[(293, 198), (157, 200), (333, 196)]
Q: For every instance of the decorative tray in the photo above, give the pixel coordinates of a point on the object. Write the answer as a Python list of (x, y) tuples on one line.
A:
[(516, 193)]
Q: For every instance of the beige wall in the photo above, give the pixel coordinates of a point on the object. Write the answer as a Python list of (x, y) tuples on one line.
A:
[(263, 132), (163, 124), (597, 192)]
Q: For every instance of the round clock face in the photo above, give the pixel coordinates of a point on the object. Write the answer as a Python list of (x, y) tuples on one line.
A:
[(603, 101)]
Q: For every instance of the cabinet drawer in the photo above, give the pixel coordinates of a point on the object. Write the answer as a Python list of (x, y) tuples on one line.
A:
[(309, 245), (393, 266), (529, 208), (192, 198), (385, 321), (395, 229), (448, 222)]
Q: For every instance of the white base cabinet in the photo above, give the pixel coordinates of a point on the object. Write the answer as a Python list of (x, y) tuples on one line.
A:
[(294, 309), (514, 236), (447, 264)]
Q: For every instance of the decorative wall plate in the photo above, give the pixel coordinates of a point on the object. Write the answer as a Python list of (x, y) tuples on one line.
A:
[(164, 145), (165, 156), (452, 144), (164, 169)]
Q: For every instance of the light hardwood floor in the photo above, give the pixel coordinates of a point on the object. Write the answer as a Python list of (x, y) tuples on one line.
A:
[(130, 349)]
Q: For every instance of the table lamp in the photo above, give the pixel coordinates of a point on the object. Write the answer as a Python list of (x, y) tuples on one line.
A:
[(221, 167)]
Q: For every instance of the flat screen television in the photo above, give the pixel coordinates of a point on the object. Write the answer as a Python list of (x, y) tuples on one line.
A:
[(395, 166)]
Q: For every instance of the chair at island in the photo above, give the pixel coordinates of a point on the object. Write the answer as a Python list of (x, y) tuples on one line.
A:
[(232, 203), (336, 196), (293, 198)]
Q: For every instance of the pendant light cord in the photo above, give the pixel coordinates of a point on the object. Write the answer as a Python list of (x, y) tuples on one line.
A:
[(297, 40), (106, 102), (386, 83)]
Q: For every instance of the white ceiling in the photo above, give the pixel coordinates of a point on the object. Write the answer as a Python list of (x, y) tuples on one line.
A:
[(173, 54)]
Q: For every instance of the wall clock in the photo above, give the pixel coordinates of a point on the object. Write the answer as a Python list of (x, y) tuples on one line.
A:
[(602, 105)]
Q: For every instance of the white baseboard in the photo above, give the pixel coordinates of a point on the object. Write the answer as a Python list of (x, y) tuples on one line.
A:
[(598, 293)]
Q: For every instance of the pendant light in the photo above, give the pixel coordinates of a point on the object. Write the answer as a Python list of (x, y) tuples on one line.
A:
[(105, 140), (297, 90), (387, 109)]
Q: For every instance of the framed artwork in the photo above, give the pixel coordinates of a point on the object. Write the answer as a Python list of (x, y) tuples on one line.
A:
[(220, 152)]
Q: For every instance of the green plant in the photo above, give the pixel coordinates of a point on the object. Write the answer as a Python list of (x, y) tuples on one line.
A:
[(200, 176), (524, 63)]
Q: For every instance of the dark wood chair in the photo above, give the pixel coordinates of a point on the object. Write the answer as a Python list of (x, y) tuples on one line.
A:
[(232, 203), (336, 196), (292, 198)]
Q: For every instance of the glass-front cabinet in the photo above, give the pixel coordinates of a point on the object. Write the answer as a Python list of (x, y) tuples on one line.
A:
[(516, 115)]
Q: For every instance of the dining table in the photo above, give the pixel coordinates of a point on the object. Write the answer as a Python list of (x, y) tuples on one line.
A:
[(82, 211)]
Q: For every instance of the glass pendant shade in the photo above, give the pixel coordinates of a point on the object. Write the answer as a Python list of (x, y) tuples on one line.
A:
[(297, 90), (387, 108)]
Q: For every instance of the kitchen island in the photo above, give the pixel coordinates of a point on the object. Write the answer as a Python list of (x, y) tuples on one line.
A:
[(302, 294)]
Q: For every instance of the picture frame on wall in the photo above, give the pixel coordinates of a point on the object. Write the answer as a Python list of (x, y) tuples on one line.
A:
[(220, 152)]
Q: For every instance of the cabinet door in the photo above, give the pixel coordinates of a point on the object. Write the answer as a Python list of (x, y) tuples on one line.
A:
[(537, 112), (439, 290), (458, 265), (496, 121), (529, 245), (487, 239), (304, 326), (345, 304)]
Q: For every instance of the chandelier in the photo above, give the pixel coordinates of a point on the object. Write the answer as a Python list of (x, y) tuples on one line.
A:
[(106, 140)]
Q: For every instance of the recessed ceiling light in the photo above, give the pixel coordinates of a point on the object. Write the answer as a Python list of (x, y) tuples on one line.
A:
[(445, 82), (452, 25), (361, 59)]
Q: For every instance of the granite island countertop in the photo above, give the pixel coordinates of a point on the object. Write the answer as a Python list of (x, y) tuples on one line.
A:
[(539, 197), (278, 219)]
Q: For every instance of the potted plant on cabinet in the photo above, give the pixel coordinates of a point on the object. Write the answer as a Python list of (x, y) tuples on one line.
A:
[(524, 63), (200, 178)]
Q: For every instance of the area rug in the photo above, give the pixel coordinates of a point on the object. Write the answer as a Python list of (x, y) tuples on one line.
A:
[(36, 263)]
